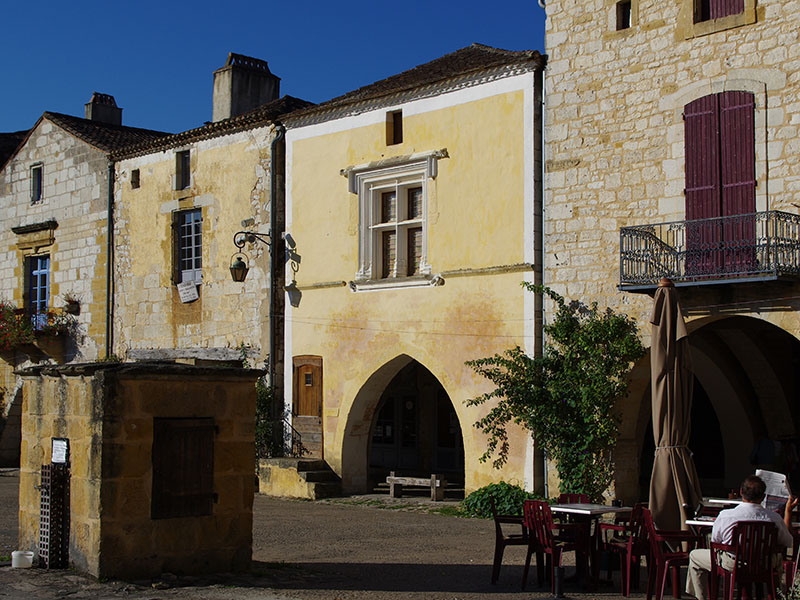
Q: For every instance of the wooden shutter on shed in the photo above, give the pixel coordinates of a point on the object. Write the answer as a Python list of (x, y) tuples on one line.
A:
[(183, 467)]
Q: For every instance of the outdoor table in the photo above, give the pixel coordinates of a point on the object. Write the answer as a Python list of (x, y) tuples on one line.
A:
[(588, 513), (722, 501)]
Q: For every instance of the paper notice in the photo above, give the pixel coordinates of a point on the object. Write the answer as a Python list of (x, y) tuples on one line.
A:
[(188, 291)]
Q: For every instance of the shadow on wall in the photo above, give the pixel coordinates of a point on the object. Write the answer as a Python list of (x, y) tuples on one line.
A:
[(11, 431)]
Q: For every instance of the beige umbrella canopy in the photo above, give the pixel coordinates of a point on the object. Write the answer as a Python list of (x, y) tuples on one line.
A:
[(674, 481)]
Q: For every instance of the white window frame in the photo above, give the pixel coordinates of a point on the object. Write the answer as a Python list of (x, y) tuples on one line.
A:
[(369, 182)]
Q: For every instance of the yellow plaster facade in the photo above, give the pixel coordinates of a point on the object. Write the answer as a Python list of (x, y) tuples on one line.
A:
[(480, 211), (230, 183)]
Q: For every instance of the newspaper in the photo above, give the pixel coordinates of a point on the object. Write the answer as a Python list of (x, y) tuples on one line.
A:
[(778, 491)]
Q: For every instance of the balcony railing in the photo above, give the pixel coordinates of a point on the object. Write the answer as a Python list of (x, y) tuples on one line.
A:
[(763, 245)]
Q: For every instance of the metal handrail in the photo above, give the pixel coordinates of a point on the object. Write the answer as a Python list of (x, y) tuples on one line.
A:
[(724, 248), (292, 440)]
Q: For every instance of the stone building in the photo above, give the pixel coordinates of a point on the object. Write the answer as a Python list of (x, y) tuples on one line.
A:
[(412, 217), (179, 201), (54, 211), (672, 150)]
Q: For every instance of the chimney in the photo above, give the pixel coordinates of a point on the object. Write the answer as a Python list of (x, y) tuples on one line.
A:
[(103, 108), (241, 85)]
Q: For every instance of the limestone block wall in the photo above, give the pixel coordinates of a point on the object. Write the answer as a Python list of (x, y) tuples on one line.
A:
[(74, 194), (107, 413), (614, 127), (230, 182), (615, 156)]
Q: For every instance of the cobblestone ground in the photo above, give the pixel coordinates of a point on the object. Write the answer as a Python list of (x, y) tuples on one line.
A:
[(343, 549)]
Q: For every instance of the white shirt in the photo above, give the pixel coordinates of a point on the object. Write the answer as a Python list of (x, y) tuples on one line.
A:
[(727, 519)]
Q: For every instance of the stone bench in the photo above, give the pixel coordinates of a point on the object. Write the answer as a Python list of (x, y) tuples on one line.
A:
[(437, 483)]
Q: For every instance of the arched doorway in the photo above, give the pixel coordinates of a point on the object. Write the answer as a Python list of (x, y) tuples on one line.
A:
[(415, 430), (745, 411)]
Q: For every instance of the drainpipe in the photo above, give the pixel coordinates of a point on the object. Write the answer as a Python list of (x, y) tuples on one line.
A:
[(276, 256), (110, 263), (543, 245)]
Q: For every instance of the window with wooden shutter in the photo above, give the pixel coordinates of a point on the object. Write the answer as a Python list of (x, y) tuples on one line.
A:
[(183, 468), (719, 132), (706, 10)]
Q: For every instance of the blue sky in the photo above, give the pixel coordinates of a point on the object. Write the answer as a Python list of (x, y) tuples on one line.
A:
[(157, 58)]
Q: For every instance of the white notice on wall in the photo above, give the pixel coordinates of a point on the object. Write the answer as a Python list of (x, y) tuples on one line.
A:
[(188, 291), (59, 451)]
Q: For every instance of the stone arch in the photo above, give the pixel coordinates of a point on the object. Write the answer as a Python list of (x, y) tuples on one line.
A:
[(360, 418), (745, 365)]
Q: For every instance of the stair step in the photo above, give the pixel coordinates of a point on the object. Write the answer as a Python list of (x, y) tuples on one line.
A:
[(322, 476), (327, 489)]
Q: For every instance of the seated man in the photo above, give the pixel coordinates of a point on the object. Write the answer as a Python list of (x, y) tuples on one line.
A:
[(752, 491)]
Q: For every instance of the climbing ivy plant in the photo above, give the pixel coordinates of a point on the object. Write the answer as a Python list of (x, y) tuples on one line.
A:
[(566, 397)]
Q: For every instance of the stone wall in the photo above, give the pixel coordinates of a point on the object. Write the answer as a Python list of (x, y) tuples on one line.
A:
[(74, 194), (615, 147), (230, 183), (107, 412)]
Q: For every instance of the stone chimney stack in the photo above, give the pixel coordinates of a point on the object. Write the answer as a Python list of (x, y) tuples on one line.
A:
[(103, 108), (241, 85)]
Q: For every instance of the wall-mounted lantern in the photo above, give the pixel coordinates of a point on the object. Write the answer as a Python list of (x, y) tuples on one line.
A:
[(239, 266)]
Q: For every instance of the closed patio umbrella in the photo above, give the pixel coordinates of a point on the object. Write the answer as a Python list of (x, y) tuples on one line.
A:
[(674, 481)]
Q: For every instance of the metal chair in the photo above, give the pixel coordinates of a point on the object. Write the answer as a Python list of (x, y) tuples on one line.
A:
[(629, 541), (753, 545), (663, 557)]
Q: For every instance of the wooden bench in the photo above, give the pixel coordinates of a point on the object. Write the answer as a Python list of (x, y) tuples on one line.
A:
[(437, 483)]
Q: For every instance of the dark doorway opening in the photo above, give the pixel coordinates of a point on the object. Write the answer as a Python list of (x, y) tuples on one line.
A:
[(416, 431)]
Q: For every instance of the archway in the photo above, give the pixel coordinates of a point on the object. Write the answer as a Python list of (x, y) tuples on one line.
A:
[(403, 420), (745, 413)]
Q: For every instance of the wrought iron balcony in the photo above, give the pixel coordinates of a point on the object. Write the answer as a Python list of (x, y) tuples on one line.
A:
[(758, 246)]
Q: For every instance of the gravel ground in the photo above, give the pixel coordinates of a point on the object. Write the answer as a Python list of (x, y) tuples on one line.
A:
[(341, 549)]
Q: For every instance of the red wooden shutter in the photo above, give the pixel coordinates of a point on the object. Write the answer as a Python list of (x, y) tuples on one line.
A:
[(723, 8), (738, 179), (701, 138), (738, 152)]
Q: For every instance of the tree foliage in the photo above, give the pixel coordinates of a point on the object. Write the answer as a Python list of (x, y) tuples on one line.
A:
[(566, 397)]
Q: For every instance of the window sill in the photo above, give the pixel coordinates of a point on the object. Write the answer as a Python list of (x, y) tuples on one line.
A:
[(396, 283)]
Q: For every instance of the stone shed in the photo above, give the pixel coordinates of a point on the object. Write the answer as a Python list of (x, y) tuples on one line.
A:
[(160, 462)]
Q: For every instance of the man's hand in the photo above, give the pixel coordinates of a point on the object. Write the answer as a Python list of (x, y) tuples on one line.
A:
[(791, 504)]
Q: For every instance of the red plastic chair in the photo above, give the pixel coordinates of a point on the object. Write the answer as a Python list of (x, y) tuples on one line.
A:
[(503, 539), (541, 527), (629, 541), (573, 499), (663, 557), (753, 545)]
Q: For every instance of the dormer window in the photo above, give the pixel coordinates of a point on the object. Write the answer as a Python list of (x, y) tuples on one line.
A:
[(36, 184)]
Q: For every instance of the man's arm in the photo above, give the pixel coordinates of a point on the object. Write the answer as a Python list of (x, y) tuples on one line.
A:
[(785, 537)]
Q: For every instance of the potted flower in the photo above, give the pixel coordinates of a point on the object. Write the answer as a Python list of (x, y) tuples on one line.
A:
[(72, 304), (51, 331), (15, 329)]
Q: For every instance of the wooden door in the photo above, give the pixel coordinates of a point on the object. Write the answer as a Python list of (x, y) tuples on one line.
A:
[(307, 384)]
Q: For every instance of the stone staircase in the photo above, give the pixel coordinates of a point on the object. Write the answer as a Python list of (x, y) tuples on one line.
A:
[(305, 478), (310, 430)]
